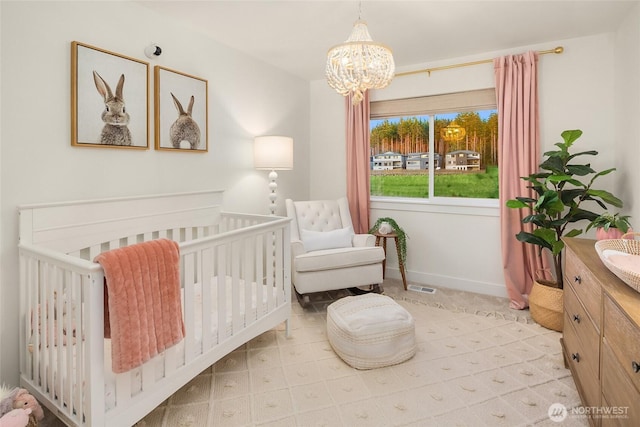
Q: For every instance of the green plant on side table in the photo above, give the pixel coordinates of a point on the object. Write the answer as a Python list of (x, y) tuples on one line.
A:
[(610, 226), (402, 236), (554, 210)]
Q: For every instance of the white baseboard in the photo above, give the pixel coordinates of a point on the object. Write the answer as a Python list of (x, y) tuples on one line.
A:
[(486, 288)]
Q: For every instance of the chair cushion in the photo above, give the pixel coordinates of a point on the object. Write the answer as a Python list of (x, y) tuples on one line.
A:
[(331, 259), (318, 240)]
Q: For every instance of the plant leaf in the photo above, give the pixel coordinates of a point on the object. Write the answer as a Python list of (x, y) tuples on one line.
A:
[(604, 172), (525, 237), (573, 233), (553, 164), (516, 204), (557, 247), (570, 136), (583, 153), (580, 170), (606, 197)]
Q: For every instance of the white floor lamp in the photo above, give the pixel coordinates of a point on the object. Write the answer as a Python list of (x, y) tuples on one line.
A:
[(273, 153)]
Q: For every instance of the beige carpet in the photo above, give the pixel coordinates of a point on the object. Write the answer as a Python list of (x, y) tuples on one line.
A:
[(478, 364)]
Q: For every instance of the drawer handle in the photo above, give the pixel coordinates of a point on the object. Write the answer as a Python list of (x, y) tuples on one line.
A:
[(576, 357), (577, 279), (576, 318), (635, 366)]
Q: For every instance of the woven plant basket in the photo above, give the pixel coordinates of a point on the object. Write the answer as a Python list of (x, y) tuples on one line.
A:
[(632, 247), (546, 306)]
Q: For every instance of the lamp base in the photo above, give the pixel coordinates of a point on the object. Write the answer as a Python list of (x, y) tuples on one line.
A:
[(273, 186)]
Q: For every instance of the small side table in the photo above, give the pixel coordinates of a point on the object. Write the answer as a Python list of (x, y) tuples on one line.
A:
[(383, 238)]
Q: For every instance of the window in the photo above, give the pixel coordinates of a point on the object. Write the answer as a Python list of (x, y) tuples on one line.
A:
[(457, 134)]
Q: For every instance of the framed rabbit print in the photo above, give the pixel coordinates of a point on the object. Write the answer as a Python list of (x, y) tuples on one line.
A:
[(109, 99), (181, 111)]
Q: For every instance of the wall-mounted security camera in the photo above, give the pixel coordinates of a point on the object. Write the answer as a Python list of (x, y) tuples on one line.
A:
[(152, 51)]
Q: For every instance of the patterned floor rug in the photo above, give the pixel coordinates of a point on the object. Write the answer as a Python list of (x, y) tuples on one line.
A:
[(478, 364)]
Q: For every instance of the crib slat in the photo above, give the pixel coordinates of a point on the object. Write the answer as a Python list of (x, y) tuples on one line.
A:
[(27, 316), (279, 267), (171, 358), (189, 306), (123, 388), (50, 330), (148, 377), (94, 251), (65, 332), (39, 327), (260, 248), (222, 293), (59, 340), (93, 355), (207, 284), (247, 265), (270, 255), (236, 310), (76, 385), (56, 338)]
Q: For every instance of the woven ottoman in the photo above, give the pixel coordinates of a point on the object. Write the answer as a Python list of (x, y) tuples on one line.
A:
[(370, 331)]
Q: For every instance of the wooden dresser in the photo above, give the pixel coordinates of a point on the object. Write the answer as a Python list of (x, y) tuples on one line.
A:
[(601, 337)]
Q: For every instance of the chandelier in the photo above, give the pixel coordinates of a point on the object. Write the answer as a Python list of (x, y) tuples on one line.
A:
[(359, 64)]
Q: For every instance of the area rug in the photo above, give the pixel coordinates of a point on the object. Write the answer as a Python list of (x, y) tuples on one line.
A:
[(475, 365)]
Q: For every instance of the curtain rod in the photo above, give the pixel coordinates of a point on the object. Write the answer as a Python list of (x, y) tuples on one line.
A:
[(557, 50)]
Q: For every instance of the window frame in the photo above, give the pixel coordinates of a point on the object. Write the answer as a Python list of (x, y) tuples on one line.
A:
[(457, 102)]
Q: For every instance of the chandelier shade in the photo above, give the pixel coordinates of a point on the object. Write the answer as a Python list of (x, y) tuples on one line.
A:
[(359, 64)]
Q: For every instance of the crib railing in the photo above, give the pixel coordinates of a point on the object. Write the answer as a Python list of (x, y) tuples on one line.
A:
[(242, 263)]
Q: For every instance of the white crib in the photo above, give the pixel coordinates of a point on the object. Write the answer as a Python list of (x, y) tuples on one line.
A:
[(64, 357)]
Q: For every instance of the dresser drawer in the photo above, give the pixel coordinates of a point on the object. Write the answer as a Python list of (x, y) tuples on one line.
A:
[(586, 288), (621, 401), (624, 339), (578, 323), (583, 363)]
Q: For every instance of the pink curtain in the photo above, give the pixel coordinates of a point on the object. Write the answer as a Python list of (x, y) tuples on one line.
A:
[(518, 155), (357, 126)]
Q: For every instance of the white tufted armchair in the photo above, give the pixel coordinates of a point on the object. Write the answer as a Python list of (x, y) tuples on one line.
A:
[(326, 254)]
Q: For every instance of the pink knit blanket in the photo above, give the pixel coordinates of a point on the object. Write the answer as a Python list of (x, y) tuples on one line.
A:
[(143, 309)]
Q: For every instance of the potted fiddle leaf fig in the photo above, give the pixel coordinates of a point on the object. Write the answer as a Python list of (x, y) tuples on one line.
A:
[(562, 189)]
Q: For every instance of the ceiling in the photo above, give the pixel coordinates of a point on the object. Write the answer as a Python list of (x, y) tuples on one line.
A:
[(295, 35)]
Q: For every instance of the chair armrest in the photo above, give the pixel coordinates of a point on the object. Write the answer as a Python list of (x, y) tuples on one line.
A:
[(361, 240), (297, 248)]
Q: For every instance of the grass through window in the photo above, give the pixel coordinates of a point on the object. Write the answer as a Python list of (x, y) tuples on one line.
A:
[(478, 185)]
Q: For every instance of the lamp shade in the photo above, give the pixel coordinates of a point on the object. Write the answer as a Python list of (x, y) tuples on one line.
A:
[(273, 152)]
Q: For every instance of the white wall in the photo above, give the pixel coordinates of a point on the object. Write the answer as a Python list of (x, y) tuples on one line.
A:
[(460, 247), (246, 98), (627, 107), (1, 281)]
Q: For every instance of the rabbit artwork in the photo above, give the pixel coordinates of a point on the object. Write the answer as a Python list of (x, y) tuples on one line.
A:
[(115, 117), (184, 128)]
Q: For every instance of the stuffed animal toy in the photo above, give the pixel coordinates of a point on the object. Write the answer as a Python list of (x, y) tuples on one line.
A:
[(6, 399), (15, 399), (17, 418), (24, 400)]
